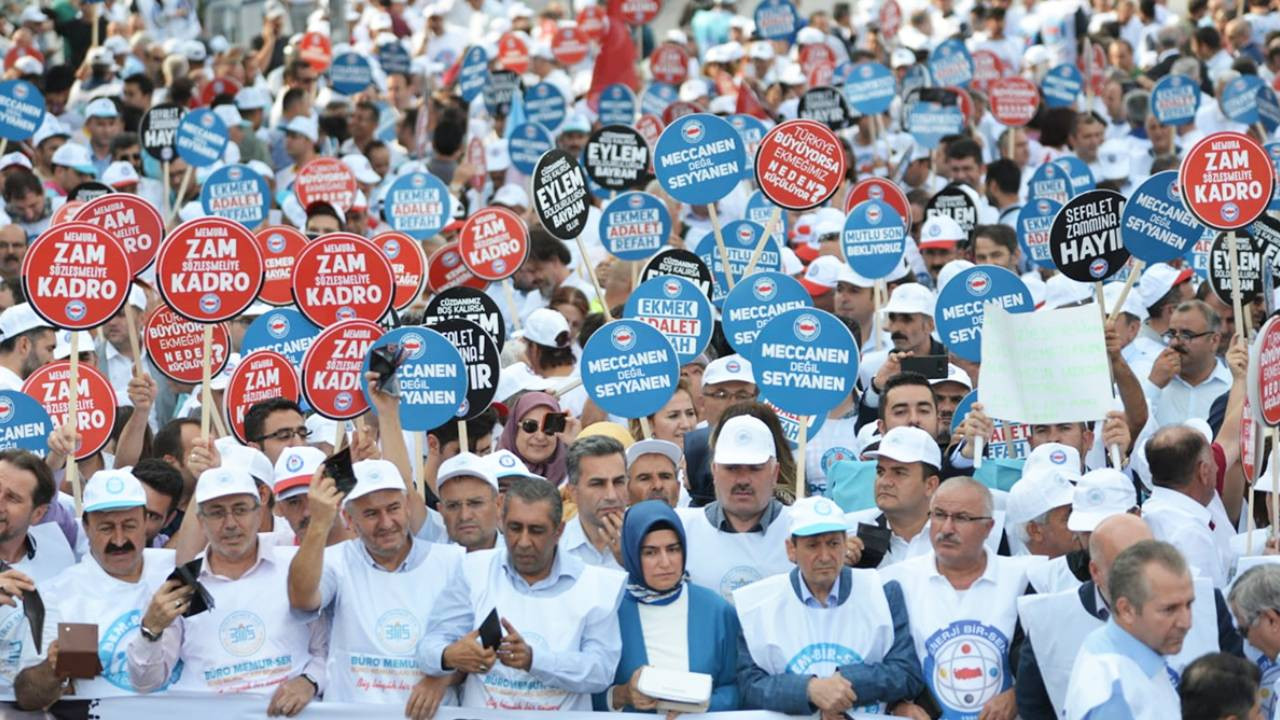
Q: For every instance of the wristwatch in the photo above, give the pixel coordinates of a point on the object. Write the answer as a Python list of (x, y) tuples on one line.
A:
[(150, 636)]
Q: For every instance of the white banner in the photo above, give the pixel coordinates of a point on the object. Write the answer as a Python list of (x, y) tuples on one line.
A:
[(254, 707), (1047, 366)]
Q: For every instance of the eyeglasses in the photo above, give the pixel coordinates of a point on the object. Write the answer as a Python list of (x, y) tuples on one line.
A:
[(531, 427), (740, 396), (285, 434), (1183, 335), (129, 157), (941, 516), (239, 512)]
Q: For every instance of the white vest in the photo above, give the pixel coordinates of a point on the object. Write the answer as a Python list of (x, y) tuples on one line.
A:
[(250, 641), (725, 561), (378, 619), (1053, 576), (552, 623), (1093, 676), (17, 646), (1057, 625), (962, 638), (85, 593), (786, 636)]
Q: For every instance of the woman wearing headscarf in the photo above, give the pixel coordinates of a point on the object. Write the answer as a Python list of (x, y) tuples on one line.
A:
[(533, 432), (666, 621)]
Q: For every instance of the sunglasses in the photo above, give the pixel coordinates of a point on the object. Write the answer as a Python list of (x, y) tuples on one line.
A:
[(551, 424)]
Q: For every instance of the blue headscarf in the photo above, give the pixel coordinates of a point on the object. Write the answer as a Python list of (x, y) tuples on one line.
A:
[(642, 519)]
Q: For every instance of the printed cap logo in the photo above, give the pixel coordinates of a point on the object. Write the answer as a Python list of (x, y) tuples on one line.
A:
[(623, 338), (293, 463), (1057, 457)]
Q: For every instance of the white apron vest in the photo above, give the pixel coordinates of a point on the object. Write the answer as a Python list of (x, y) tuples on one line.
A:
[(553, 623), (17, 646), (786, 636), (962, 638), (378, 619), (725, 561), (1053, 576), (250, 641), (85, 593), (1057, 625)]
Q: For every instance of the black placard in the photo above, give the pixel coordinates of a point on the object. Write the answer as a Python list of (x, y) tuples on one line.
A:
[(560, 195), (158, 131), (1249, 261), (481, 355), (826, 105), (468, 304), (680, 263), (86, 191), (1085, 237), (498, 90), (617, 158), (957, 204)]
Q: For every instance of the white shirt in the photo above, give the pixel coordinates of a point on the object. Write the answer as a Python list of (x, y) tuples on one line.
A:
[(575, 542), (1178, 400), (900, 548), (665, 629), (48, 554), (9, 380), (1178, 519), (1115, 675)]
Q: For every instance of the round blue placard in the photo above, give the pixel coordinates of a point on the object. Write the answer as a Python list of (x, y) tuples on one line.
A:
[(929, 122), (1052, 182), (394, 58), (699, 159), (740, 239), (1175, 99), (874, 238), (283, 330), (777, 20), (24, 423), (474, 73), (237, 192), (752, 129), (950, 64), (1268, 109), (350, 73), (1155, 225), (678, 309), (1078, 173), (1273, 150), (201, 138), (545, 104), (962, 410), (433, 378), (528, 143), (805, 361), (23, 110), (1062, 85), (1034, 222), (629, 369), (752, 303), (962, 305), (1239, 100), (617, 105), (760, 209), (417, 204), (656, 98), (635, 226), (870, 88)]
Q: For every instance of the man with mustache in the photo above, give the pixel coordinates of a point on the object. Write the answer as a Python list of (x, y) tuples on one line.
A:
[(248, 641), (106, 589), (597, 467), (468, 487), (909, 316), (383, 589), (653, 472), (1121, 669), (739, 538), (962, 601), (1188, 375)]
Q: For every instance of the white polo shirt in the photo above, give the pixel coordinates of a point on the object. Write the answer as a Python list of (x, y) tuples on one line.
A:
[(1178, 519), (48, 554)]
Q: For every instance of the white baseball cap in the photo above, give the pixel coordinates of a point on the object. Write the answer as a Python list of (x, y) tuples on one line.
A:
[(941, 231), (1098, 495), (29, 65), (505, 464), (1061, 291), (910, 299), (15, 158), (667, 449), (1113, 156), (18, 319), (849, 275), (902, 57), (809, 35), (101, 108), (1158, 279), (361, 168), (305, 126), (1051, 457), (816, 515), (74, 156), (548, 328), (950, 270), (954, 375), (1132, 302), (113, 490), (496, 157), (822, 275), (511, 195), (62, 350), (466, 464), (1039, 492), (50, 127), (223, 481), (372, 476), (252, 98), (744, 440), (907, 444), (120, 174), (229, 115), (294, 469), (761, 50), (730, 368)]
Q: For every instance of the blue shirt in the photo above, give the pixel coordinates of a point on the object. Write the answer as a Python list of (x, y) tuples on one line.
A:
[(809, 600)]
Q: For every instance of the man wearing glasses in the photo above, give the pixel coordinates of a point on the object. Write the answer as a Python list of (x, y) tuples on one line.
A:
[(962, 601), (249, 640), (1187, 375), (274, 425), (726, 381)]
